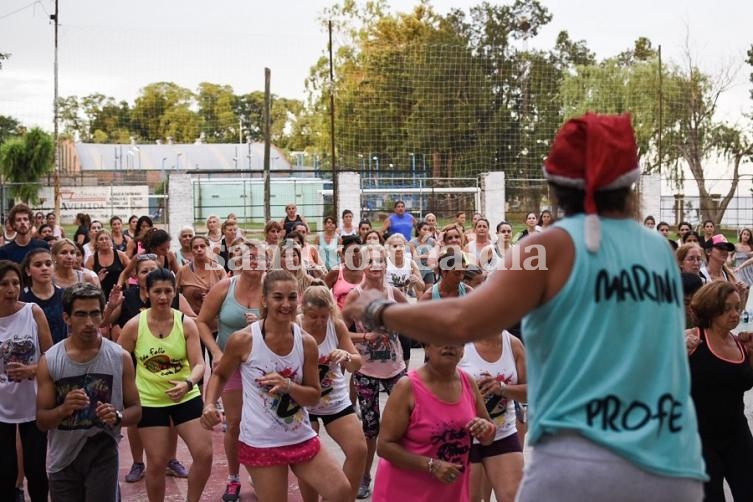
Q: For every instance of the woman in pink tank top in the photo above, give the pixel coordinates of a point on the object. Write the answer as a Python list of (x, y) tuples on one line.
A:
[(430, 419), (346, 276)]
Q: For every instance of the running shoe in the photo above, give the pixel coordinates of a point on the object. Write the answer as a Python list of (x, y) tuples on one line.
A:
[(20, 495), (176, 469), (136, 473), (363, 489), (232, 492)]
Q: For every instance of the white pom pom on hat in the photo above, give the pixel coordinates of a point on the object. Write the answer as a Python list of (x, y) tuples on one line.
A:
[(594, 152)]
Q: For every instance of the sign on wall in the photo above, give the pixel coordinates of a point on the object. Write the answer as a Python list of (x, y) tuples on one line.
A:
[(100, 202)]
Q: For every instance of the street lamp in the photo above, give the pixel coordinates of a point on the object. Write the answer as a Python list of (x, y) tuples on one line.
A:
[(376, 171)]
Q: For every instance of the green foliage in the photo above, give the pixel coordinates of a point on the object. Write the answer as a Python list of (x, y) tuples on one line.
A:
[(165, 110), (24, 160), (9, 127), (673, 112)]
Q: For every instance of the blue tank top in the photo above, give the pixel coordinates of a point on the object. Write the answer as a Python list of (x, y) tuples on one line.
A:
[(401, 225), (329, 251), (435, 291), (232, 315), (606, 355)]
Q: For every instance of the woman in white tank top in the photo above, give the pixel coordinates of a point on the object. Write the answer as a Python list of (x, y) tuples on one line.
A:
[(278, 364), (383, 362), (402, 272), (498, 365), (321, 319)]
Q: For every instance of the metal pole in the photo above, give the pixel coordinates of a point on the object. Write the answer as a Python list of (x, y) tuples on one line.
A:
[(661, 118), (56, 177), (267, 142), (332, 124)]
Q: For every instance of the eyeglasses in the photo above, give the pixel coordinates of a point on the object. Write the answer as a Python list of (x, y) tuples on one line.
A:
[(94, 314), (146, 257)]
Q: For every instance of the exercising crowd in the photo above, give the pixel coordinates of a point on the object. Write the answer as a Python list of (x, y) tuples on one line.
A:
[(117, 329), (296, 332)]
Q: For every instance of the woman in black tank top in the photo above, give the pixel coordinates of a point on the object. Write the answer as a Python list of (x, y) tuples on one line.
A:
[(106, 261), (721, 372), (291, 218)]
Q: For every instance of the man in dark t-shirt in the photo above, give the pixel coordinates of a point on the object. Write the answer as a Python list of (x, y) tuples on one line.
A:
[(17, 249)]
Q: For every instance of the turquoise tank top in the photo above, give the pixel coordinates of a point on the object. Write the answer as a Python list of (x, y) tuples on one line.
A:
[(435, 291), (328, 251), (232, 315), (606, 356)]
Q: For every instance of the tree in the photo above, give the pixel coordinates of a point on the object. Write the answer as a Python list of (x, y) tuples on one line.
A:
[(218, 111), (4, 56), (164, 109), (9, 127), (24, 160), (691, 136)]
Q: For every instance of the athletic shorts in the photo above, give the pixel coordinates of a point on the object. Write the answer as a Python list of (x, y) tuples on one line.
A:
[(328, 419), (161, 416), (251, 456), (508, 444)]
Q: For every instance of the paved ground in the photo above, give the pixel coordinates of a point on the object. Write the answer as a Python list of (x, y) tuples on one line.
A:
[(176, 488)]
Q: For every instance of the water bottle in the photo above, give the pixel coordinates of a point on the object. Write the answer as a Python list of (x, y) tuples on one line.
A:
[(745, 324)]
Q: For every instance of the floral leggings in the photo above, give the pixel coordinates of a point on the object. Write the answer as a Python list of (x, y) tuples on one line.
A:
[(367, 389)]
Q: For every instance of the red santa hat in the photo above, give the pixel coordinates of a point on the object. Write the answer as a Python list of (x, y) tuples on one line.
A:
[(594, 152)]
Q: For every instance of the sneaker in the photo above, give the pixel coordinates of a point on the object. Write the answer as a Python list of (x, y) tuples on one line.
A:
[(20, 495), (176, 469), (136, 473), (232, 492), (363, 489)]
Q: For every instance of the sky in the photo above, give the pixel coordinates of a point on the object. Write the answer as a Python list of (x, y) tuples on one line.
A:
[(117, 47)]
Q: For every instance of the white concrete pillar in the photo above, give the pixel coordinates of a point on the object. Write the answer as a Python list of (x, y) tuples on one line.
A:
[(493, 198), (179, 204), (349, 195), (650, 191)]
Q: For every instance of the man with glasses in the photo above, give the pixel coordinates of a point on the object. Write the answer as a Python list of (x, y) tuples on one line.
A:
[(87, 392)]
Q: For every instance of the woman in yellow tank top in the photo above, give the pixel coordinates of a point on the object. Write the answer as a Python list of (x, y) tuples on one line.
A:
[(168, 364)]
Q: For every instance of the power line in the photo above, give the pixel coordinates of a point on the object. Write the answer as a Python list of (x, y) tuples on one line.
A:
[(32, 4)]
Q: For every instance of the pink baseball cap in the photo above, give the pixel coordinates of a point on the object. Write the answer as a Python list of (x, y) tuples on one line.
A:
[(719, 241)]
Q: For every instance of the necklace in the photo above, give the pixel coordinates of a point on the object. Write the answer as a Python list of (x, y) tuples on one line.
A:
[(160, 334)]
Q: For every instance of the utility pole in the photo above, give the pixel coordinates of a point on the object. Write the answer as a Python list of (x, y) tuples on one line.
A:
[(332, 126), (267, 143), (56, 175)]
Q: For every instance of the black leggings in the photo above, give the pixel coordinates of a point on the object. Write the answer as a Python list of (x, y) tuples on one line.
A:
[(730, 459), (34, 445)]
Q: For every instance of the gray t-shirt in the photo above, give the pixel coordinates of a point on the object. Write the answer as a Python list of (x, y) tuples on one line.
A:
[(102, 379)]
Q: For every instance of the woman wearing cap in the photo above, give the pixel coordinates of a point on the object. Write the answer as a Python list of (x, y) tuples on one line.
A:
[(589, 310), (717, 253), (722, 371)]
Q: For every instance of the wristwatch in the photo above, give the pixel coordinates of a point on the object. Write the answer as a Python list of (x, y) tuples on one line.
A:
[(190, 384), (118, 417), (372, 315)]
